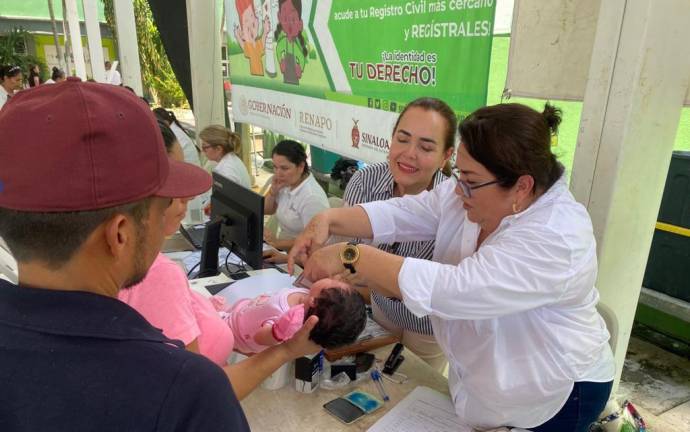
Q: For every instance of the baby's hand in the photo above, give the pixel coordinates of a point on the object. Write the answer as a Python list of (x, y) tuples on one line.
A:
[(288, 324)]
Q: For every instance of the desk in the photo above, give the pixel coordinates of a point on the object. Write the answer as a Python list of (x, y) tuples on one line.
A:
[(289, 410)]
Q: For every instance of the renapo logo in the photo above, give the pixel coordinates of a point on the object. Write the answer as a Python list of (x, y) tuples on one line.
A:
[(355, 134), (244, 106)]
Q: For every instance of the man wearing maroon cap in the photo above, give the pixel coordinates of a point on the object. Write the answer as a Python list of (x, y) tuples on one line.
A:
[(83, 190)]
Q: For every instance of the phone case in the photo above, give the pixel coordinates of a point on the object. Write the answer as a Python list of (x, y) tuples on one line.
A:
[(364, 401)]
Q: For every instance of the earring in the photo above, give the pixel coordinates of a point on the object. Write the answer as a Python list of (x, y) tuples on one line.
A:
[(515, 208)]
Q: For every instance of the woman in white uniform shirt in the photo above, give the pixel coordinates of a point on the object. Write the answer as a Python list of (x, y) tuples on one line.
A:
[(221, 145), (295, 195), (510, 290)]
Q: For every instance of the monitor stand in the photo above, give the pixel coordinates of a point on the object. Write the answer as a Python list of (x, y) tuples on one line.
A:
[(209, 252)]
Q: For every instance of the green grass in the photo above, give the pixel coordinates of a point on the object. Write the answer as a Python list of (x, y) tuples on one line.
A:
[(567, 135)]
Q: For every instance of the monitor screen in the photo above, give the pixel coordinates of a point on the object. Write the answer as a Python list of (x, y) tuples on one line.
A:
[(237, 216)]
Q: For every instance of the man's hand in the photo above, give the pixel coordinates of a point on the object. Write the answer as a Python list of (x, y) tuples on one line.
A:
[(300, 345)]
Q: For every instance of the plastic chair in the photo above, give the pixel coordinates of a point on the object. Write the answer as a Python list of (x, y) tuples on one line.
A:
[(611, 323)]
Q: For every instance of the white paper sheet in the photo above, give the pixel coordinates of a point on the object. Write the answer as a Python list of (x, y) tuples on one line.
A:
[(423, 409), (254, 286)]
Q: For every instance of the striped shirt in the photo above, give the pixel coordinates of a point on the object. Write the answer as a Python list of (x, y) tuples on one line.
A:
[(375, 183)]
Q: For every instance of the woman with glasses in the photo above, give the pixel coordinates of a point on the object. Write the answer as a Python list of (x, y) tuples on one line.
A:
[(221, 145), (11, 81), (422, 143), (510, 290)]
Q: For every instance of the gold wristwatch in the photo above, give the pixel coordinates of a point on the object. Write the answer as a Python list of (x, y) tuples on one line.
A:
[(349, 256)]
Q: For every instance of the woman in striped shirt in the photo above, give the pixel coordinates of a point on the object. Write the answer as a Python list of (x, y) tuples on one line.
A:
[(422, 143)]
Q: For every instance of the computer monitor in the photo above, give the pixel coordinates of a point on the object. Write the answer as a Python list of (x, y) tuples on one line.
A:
[(237, 222)]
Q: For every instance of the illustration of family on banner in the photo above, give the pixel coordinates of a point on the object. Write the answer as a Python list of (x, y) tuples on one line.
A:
[(335, 73)]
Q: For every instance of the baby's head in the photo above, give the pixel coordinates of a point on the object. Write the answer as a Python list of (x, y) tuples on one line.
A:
[(342, 317)]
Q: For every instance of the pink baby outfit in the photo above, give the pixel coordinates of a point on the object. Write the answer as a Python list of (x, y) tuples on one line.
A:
[(247, 316), (165, 299)]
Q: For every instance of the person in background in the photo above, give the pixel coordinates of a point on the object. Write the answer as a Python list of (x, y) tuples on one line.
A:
[(58, 75), (189, 149), (510, 291), (11, 82), (221, 145), (112, 76), (422, 143), (34, 76), (294, 197)]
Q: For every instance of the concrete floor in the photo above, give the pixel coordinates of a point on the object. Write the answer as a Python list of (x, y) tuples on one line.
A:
[(657, 382)]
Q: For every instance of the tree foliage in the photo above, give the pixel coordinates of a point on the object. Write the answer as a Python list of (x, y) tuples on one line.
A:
[(12, 45), (156, 73)]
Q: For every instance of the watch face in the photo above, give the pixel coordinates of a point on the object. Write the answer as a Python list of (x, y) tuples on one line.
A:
[(349, 254)]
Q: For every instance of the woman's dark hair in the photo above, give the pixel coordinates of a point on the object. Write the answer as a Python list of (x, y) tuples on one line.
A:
[(342, 317), (9, 71), (297, 4), (32, 74), (292, 151), (168, 117), (57, 73), (169, 137), (441, 108), (512, 140)]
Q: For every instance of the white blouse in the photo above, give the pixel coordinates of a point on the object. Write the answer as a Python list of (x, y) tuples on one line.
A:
[(231, 167), (297, 206), (191, 155), (517, 319)]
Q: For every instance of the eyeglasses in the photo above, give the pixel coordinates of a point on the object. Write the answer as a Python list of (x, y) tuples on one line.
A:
[(466, 187)]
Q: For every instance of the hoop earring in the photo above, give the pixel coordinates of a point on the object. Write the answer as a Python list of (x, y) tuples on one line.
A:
[(515, 208)]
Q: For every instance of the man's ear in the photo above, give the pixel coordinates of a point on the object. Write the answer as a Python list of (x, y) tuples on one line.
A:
[(118, 233)]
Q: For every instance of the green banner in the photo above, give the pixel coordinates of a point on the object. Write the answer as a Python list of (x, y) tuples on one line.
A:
[(292, 60)]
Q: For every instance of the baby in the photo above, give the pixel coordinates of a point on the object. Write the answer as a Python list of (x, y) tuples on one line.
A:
[(270, 319)]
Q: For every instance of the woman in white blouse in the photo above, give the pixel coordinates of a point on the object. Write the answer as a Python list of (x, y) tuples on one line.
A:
[(221, 145), (510, 290), (295, 196)]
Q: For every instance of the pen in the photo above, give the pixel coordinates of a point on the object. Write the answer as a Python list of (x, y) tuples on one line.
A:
[(376, 377)]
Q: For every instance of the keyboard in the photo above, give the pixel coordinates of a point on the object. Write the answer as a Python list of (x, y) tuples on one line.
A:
[(194, 235)]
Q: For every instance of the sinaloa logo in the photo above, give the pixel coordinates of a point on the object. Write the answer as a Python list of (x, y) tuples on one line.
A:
[(244, 106), (355, 134)]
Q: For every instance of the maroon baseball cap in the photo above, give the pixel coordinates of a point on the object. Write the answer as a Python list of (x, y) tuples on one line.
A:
[(77, 146)]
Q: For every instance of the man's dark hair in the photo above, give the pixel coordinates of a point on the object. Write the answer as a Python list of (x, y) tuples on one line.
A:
[(342, 317), (53, 238)]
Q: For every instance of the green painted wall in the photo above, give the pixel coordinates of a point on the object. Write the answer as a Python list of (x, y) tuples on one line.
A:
[(38, 9), (43, 40)]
